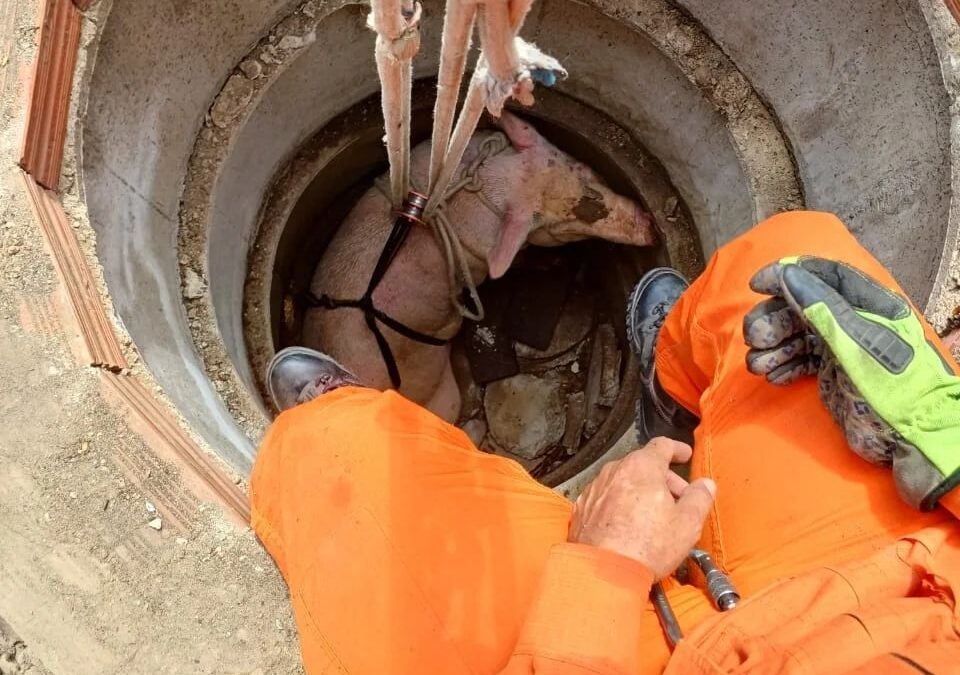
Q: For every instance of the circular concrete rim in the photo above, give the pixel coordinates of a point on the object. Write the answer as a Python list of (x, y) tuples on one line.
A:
[(944, 299), (762, 150)]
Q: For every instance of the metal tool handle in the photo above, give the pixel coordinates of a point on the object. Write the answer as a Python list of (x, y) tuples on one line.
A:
[(665, 613), (721, 589)]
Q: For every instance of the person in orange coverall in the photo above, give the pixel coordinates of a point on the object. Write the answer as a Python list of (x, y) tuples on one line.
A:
[(408, 550)]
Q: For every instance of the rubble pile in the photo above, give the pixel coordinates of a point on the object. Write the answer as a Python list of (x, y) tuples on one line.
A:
[(541, 372)]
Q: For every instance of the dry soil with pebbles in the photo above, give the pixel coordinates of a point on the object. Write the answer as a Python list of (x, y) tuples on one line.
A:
[(108, 562)]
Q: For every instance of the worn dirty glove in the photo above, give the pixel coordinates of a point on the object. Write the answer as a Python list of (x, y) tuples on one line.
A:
[(896, 399)]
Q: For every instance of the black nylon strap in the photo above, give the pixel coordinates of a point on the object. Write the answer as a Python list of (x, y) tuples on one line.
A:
[(372, 315), (389, 360), (326, 302), (401, 227), (398, 235)]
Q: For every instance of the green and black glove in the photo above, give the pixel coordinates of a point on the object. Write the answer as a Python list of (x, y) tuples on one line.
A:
[(889, 389)]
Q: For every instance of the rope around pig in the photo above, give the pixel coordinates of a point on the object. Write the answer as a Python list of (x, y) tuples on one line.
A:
[(447, 239), (458, 269), (506, 67)]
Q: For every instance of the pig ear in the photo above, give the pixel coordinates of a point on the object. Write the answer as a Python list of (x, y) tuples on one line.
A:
[(513, 235), (522, 136)]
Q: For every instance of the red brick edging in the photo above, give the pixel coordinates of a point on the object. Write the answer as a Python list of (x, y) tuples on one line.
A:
[(50, 89), (41, 161), (95, 327)]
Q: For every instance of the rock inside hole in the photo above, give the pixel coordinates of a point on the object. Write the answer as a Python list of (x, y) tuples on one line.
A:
[(539, 403)]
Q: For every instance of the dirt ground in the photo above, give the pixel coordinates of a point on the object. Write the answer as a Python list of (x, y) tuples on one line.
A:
[(87, 582)]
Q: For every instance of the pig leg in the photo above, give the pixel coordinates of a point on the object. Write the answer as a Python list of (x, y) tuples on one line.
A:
[(522, 136), (445, 401), (518, 218), (514, 231)]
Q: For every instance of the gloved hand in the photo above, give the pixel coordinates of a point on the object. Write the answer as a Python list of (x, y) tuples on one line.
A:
[(896, 399)]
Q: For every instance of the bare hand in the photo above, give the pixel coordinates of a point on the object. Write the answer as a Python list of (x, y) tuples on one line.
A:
[(639, 508)]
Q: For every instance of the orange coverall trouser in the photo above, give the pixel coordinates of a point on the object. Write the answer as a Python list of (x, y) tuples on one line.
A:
[(407, 550)]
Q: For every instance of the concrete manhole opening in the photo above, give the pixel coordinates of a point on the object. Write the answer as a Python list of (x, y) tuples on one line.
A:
[(219, 154), (546, 378)]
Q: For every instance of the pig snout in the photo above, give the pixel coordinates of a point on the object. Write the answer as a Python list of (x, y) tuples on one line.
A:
[(644, 222), (595, 211), (614, 217)]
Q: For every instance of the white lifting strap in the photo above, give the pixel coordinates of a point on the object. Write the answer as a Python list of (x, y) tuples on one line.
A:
[(507, 67), (397, 23)]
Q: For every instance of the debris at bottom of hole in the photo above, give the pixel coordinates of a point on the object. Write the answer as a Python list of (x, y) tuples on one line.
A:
[(610, 370), (525, 415), (594, 411), (476, 429), (576, 416), (490, 353), (536, 306)]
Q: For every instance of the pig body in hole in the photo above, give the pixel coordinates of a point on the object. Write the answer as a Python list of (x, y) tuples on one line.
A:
[(544, 197)]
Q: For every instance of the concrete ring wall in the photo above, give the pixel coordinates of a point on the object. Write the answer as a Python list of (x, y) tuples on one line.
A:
[(749, 110)]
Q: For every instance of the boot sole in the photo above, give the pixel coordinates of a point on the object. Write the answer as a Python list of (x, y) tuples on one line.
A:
[(302, 351), (633, 337)]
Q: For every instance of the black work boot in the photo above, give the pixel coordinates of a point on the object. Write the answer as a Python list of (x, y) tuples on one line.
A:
[(298, 374), (650, 301)]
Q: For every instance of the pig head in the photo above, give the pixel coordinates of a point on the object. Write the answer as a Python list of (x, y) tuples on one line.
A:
[(557, 200), (528, 192)]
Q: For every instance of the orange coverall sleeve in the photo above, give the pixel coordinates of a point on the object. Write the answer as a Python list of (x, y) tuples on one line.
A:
[(585, 617)]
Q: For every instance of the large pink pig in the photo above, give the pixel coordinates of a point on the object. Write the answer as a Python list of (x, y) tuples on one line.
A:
[(532, 193)]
